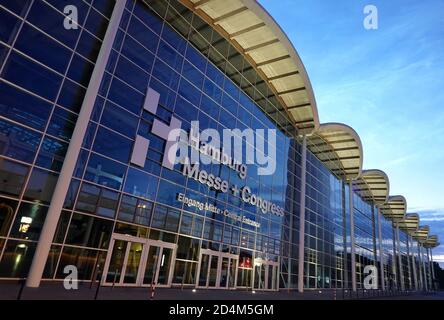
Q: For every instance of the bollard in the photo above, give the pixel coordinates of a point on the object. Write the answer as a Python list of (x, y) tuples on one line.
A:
[(114, 280), (22, 287), (98, 284), (153, 289)]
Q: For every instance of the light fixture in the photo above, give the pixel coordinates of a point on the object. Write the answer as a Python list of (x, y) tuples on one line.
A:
[(253, 291), (194, 290)]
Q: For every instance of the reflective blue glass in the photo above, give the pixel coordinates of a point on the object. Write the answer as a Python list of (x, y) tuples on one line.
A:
[(22, 107), (31, 76), (49, 20), (119, 120), (188, 91), (71, 96), (96, 24), (144, 14), (17, 6), (62, 124), (138, 54), (170, 56), (8, 27), (104, 6), (82, 7), (165, 74), (105, 172), (88, 46), (21, 143), (52, 153), (125, 96), (42, 48), (131, 74), (141, 184), (12, 175), (41, 186), (80, 70), (112, 145), (143, 35), (169, 193)]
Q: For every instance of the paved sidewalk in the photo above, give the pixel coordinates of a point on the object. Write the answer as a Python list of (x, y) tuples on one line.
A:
[(55, 291)]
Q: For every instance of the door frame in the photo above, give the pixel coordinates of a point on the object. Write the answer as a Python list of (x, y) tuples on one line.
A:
[(147, 243), (220, 256), (266, 264)]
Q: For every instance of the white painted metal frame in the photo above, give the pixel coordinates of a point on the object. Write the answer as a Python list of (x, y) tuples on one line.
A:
[(267, 265), (147, 243), (220, 256)]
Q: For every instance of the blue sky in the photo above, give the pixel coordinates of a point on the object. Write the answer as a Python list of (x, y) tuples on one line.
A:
[(388, 84)]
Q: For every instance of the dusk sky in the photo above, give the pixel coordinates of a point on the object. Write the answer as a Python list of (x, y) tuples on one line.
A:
[(388, 84)]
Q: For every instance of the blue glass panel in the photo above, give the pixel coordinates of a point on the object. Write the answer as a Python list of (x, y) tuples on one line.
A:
[(173, 38), (165, 74), (41, 186), (51, 21), (212, 90), (142, 34), (125, 96), (12, 175), (185, 110), (81, 163), (71, 194), (167, 96), (21, 143), (52, 153), (210, 107), (8, 27), (138, 54), (192, 74), (80, 70), (168, 193), (42, 48), (196, 58), (88, 46), (17, 6), (89, 136), (24, 108), (104, 6), (96, 24), (112, 145), (145, 14), (97, 110), (62, 124), (31, 76), (170, 56), (188, 91), (119, 120), (141, 184), (71, 96), (215, 74), (132, 74), (105, 172)]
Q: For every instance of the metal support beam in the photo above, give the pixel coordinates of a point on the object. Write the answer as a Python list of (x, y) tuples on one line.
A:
[(415, 274), (400, 268), (352, 237), (381, 252), (59, 194), (302, 216)]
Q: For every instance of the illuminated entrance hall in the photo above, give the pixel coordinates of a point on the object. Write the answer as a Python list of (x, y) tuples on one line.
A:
[(84, 180)]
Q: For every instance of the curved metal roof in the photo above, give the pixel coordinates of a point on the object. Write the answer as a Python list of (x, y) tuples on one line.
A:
[(410, 223), (249, 27), (431, 242), (374, 186), (339, 147), (421, 234), (395, 208)]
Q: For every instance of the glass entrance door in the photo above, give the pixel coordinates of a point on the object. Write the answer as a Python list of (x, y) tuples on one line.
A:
[(265, 274), (138, 262), (217, 270)]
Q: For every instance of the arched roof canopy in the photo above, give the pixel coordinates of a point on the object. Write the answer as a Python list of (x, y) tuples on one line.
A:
[(395, 208), (374, 186), (410, 223), (431, 242), (257, 36), (339, 147), (421, 234)]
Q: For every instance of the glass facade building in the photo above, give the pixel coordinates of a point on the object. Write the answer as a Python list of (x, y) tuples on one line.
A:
[(126, 218)]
